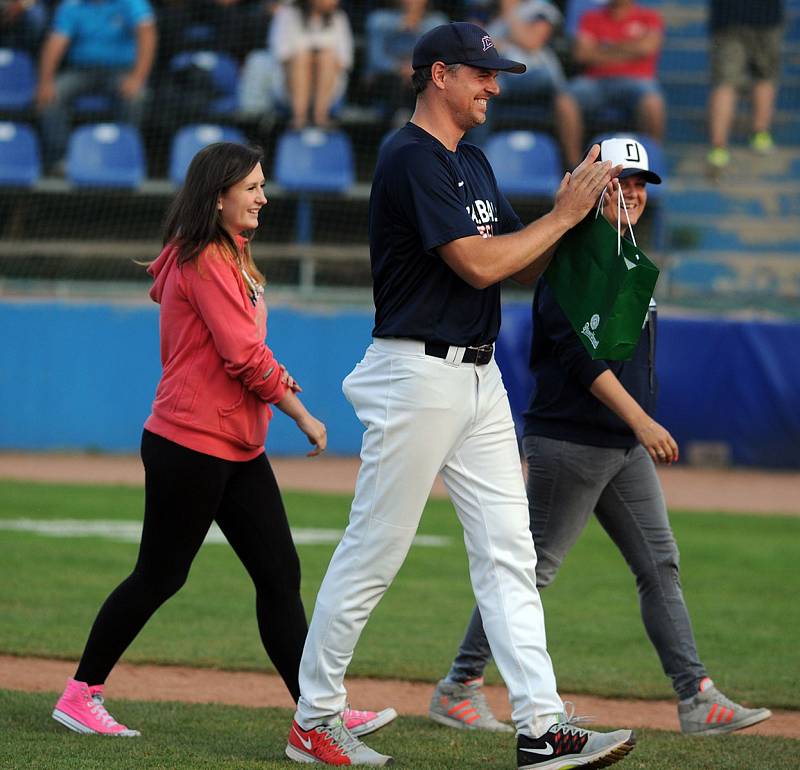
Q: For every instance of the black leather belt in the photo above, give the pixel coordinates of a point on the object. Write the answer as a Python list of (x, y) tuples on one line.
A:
[(479, 356)]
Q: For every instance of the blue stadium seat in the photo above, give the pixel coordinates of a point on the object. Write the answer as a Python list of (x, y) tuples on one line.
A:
[(189, 140), (105, 155), (20, 161), (525, 162), (17, 79), (224, 75), (575, 9), (87, 103), (313, 161)]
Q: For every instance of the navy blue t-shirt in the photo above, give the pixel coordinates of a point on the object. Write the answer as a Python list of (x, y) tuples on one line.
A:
[(424, 196)]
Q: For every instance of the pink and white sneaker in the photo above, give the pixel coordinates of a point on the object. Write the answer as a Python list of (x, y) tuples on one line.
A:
[(360, 723), (81, 709)]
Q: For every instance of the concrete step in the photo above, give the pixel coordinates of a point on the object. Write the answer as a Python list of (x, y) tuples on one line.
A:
[(734, 233), (757, 277), (690, 124), (688, 196), (687, 162), (691, 89)]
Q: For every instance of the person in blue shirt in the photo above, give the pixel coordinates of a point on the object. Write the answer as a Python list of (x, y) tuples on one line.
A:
[(431, 397), (100, 46), (591, 445)]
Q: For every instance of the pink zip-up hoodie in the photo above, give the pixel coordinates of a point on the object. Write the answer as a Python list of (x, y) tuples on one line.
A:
[(219, 377)]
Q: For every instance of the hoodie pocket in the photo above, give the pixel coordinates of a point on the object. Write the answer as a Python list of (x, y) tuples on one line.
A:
[(245, 420)]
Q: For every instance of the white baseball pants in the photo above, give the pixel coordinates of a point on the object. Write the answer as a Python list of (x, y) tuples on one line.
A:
[(422, 415)]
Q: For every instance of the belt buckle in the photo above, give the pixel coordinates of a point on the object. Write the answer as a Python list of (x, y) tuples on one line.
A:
[(483, 354)]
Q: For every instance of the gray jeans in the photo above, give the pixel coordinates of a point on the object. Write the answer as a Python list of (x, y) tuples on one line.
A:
[(566, 483)]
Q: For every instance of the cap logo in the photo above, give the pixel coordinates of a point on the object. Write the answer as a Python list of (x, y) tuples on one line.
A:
[(632, 152), (487, 42)]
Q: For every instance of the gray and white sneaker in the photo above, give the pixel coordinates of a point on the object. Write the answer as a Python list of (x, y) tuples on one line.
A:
[(711, 713), (566, 745), (331, 743), (464, 706)]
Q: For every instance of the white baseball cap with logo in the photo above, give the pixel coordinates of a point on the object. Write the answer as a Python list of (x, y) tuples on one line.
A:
[(631, 155)]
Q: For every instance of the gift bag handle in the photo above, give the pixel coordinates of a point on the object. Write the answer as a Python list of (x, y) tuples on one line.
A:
[(620, 206)]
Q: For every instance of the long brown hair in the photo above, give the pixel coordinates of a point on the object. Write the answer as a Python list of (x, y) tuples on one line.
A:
[(193, 221)]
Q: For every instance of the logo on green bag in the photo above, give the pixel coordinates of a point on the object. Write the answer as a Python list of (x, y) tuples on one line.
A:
[(589, 329)]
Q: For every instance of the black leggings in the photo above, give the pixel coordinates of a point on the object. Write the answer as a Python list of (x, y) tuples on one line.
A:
[(185, 491)]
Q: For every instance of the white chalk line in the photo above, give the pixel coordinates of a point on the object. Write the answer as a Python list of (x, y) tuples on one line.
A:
[(131, 531)]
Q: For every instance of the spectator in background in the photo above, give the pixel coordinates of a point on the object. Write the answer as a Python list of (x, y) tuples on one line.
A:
[(313, 42), (108, 47), (391, 35), (232, 26), (745, 40), (618, 47), (522, 31), (22, 24)]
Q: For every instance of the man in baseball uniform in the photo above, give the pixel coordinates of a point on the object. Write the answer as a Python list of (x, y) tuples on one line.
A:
[(431, 398)]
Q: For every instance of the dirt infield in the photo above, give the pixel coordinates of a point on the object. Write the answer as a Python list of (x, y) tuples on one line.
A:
[(685, 488), (733, 490)]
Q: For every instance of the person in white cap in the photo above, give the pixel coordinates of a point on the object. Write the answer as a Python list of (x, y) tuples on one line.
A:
[(591, 445)]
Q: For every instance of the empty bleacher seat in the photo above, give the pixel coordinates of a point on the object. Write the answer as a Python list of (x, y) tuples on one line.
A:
[(20, 161), (224, 73), (525, 162), (313, 161), (17, 79), (106, 155), (189, 140)]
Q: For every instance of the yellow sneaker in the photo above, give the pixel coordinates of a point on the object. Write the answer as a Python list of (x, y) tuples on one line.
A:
[(761, 142), (718, 158)]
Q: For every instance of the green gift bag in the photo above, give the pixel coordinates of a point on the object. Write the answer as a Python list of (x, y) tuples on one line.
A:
[(603, 283)]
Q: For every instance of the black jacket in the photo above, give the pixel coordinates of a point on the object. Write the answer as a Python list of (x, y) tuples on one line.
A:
[(561, 405)]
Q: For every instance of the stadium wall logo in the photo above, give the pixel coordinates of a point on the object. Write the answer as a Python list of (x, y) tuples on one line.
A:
[(589, 328)]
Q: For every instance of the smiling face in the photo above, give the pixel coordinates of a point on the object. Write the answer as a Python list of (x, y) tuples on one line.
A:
[(468, 90), (634, 194), (240, 203)]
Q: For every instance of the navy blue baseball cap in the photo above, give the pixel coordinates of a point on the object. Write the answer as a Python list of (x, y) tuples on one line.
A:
[(461, 43)]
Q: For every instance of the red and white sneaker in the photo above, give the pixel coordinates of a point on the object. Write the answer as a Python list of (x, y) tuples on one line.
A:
[(361, 723), (80, 708), (331, 744)]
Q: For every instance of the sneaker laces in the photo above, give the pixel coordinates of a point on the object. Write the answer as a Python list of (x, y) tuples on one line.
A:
[(338, 734), (723, 700), (100, 713), (569, 724)]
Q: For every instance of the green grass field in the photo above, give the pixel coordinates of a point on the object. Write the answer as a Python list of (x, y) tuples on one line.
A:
[(182, 736), (739, 573)]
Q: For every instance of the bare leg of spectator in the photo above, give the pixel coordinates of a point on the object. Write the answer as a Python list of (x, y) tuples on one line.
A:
[(763, 105), (326, 78), (299, 76), (569, 127), (652, 115), (721, 107)]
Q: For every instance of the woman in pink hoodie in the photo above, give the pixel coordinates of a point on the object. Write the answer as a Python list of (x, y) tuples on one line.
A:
[(203, 443)]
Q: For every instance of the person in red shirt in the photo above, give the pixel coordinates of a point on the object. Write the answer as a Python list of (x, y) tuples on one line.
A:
[(203, 443), (618, 47)]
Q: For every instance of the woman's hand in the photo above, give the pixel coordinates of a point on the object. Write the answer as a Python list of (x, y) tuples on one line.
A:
[(315, 431), (290, 381), (657, 441)]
